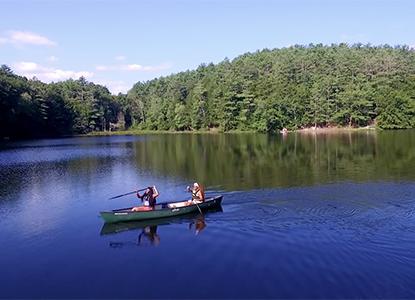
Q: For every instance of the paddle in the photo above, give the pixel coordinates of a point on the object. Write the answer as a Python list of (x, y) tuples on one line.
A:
[(127, 194), (194, 201)]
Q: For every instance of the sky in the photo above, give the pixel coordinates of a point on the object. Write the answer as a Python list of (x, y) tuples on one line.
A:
[(118, 43)]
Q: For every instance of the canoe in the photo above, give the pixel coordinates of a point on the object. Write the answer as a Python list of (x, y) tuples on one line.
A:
[(162, 210), (114, 228)]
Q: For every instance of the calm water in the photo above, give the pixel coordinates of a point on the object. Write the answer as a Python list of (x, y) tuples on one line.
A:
[(315, 216)]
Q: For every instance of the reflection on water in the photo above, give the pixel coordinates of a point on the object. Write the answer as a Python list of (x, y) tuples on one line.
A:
[(304, 216), (148, 235), (220, 161), (198, 224), (246, 161)]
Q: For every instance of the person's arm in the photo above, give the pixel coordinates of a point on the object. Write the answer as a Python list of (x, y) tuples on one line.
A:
[(202, 193), (199, 195), (155, 192), (140, 196)]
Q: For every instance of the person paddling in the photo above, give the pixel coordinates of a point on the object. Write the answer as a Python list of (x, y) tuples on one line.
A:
[(198, 193), (148, 198)]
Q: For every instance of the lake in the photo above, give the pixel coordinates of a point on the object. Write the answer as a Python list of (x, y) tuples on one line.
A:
[(328, 215)]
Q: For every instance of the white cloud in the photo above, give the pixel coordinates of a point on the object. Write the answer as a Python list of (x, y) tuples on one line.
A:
[(57, 75), (16, 37), (25, 66), (102, 68), (133, 67), (120, 57), (115, 86), (156, 68), (47, 74), (52, 58)]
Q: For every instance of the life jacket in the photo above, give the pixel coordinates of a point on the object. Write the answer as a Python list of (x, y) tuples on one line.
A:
[(150, 198), (202, 193)]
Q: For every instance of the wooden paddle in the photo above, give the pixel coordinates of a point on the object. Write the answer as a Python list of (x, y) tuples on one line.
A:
[(194, 201), (127, 194)]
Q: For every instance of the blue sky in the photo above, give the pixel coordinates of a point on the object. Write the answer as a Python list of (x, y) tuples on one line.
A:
[(117, 43)]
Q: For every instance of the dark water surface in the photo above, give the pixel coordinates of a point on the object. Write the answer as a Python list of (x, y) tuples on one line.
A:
[(303, 216)]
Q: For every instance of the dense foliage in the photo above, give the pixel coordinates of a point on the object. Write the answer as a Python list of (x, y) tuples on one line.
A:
[(292, 87), (264, 91), (33, 108)]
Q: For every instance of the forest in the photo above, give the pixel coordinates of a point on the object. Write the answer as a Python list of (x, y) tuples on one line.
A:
[(295, 87)]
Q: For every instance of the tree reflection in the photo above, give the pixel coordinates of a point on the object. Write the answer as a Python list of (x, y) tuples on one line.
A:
[(246, 161)]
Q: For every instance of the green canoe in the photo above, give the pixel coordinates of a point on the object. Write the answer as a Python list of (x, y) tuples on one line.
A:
[(114, 228), (162, 210)]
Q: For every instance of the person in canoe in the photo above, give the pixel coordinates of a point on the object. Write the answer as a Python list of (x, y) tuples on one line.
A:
[(148, 199), (198, 192)]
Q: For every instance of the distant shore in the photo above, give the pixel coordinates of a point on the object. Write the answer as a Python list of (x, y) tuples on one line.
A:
[(142, 132), (333, 129), (308, 130)]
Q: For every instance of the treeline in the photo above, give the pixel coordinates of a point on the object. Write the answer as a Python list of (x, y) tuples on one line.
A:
[(265, 91), (31, 108), (293, 87)]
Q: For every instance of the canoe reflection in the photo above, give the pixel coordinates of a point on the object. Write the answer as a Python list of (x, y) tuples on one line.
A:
[(148, 235)]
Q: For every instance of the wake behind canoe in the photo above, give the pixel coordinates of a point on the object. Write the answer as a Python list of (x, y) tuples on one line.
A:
[(161, 210)]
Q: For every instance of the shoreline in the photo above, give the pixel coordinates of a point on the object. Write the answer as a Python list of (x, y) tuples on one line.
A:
[(308, 130), (334, 129)]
